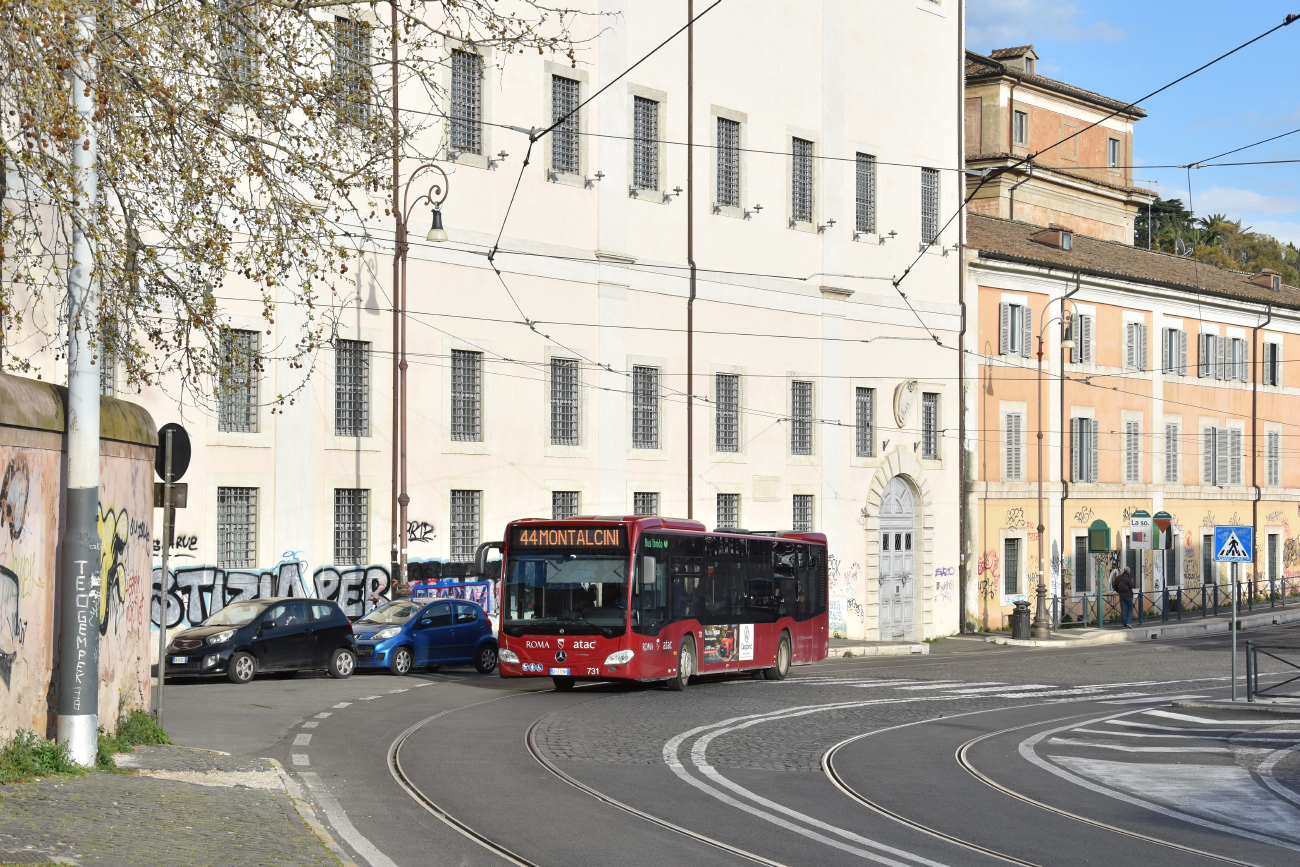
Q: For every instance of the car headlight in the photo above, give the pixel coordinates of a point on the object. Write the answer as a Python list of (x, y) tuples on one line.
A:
[(507, 656), (385, 633), (221, 637), (619, 657)]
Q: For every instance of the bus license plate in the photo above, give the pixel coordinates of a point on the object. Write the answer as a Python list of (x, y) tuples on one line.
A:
[(178, 660), (559, 672)]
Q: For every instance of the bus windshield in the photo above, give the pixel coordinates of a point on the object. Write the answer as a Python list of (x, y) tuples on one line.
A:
[(578, 592)]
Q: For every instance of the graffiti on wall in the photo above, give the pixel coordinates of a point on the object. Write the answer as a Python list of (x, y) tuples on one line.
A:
[(1016, 519), (419, 531), (13, 629), (846, 593), (989, 578), (1083, 516), (182, 546)]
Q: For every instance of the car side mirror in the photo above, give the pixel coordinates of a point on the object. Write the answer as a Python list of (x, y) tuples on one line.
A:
[(648, 571), (426, 622), (267, 624)]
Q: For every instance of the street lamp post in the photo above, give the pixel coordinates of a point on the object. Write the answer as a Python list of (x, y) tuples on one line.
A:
[(434, 197), (1041, 627)]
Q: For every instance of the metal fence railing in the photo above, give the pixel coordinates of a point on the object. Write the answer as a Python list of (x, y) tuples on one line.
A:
[(1177, 603), (1276, 690)]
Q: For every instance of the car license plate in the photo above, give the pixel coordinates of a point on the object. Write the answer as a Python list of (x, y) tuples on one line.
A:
[(177, 660), (559, 672)]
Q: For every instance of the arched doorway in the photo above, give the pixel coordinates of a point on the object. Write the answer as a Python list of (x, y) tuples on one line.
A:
[(897, 561)]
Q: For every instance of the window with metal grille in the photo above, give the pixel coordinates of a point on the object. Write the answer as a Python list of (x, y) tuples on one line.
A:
[(564, 138), (237, 403), (802, 200), (645, 503), (464, 524), (726, 404), (466, 102), (237, 528), (1081, 564), (801, 418), (866, 422), (803, 513), (929, 206), (1274, 553), (1014, 428), (1274, 459), (352, 69), (1173, 449), (237, 45), (1208, 566), (866, 194), (564, 402), (351, 526), (728, 163), (1133, 452), (1011, 567), (930, 426), (645, 143), (1083, 449), (107, 372), (351, 388), (728, 511), (466, 395), (564, 505), (645, 407)]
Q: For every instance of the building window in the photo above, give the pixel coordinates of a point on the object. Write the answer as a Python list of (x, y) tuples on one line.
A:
[(645, 503), (1221, 456), (1173, 355), (803, 513), (929, 206), (352, 69), (1272, 364), (1081, 564), (728, 163), (1013, 470), (1011, 566), (802, 201), (930, 426), (107, 372), (645, 143), (645, 407), (1021, 124), (466, 102), (1133, 452), (237, 404), (1237, 357), (801, 418), (564, 402), (1274, 557), (1208, 565), (351, 388), (1016, 329), (1173, 451), (866, 194), (466, 395), (1082, 333), (237, 528), (866, 422), (465, 524), (728, 511), (564, 505), (727, 412), (1112, 153), (1135, 345), (1083, 449), (351, 524), (238, 48), (1274, 459), (564, 138)]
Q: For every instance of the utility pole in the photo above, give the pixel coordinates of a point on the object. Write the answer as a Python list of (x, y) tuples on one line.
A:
[(690, 258), (79, 595), (398, 489)]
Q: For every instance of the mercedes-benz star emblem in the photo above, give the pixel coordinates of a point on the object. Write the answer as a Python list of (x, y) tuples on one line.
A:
[(561, 656)]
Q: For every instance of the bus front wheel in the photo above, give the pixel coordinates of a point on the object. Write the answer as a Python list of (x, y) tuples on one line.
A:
[(563, 684), (782, 667), (685, 666)]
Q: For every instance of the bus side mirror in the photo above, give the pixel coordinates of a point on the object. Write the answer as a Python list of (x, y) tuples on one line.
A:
[(648, 571)]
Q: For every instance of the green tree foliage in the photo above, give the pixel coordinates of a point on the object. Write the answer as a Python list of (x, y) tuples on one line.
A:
[(1215, 240)]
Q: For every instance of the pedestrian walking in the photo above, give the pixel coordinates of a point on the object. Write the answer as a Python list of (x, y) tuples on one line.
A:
[(1122, 584)]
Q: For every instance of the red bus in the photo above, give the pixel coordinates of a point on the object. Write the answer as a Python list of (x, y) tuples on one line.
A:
[(658, 599)]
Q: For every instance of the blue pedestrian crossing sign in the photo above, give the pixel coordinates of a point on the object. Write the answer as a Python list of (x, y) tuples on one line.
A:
[(1234, 544)]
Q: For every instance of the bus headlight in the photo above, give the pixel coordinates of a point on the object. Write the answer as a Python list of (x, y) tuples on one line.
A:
[(507, 656), (619, 657)]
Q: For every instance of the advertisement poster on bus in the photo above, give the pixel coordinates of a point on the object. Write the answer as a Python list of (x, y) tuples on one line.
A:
[(746, 650), (720, 643)]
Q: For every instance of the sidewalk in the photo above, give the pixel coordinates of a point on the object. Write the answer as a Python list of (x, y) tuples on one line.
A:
[(1189, 627), (855, 647), (173, 806)]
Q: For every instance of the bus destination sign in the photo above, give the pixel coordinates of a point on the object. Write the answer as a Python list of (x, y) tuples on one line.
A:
[(580, 538)]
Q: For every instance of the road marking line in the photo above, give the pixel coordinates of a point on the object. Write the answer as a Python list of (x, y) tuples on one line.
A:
[(343, 704), (1154, 699), (1075, 742), (952, 684), (1200, 719), (1240, 740), (300, 760), (391, 691), (1013, 687), (323, 714), (302, 740), (311, 724), (339, 819), (1137, 725), (369, 697)]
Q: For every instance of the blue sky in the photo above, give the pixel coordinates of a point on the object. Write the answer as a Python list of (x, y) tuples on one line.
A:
[(1125, 49)]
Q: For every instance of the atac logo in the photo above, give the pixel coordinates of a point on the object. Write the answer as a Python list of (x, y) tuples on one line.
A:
[(584, 645)]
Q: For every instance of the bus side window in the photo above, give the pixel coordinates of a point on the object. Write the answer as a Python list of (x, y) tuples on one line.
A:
[(783, 568)]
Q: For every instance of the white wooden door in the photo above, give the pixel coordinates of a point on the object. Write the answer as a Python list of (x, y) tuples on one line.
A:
[(897, 561)]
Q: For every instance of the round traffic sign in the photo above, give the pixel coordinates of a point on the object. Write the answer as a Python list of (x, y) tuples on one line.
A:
[(180, 451)]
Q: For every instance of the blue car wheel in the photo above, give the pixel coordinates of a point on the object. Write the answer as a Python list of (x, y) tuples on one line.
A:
[(486, 659), (400, 661)]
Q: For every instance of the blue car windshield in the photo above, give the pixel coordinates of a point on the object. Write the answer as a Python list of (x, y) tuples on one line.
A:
[(393, 613)]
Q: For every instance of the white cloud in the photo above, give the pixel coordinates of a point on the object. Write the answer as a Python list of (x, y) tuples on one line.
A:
[(1235, 203), (1000, 23)]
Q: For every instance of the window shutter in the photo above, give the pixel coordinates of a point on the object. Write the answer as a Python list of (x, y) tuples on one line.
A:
[(1182, 353), (1266, 376), (1130, 452), (1087, 339), (1221, 457), (1167, 350), (1143, 356), (1207, 455), (1171, 454), (1202, 355), (1277, 364), (1274, 459), (1013, 467), (1026, 330), (1076, 449), (1220, 357), (1076, 352), (1130, 345), (1092, 450), (1004, 345), (1245, 361), (1234, 456)]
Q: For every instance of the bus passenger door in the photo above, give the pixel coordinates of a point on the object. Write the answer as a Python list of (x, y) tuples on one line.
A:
[(650, 616)]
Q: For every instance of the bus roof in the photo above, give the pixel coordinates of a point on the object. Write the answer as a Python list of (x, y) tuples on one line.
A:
[(653, 522)]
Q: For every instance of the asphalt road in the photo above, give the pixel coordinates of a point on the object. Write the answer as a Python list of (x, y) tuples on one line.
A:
[(973, 755)]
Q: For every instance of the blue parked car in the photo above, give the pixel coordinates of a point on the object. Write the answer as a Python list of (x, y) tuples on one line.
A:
[(406, 633)]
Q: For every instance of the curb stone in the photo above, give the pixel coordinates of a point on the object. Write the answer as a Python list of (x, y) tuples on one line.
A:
[(308, 814)]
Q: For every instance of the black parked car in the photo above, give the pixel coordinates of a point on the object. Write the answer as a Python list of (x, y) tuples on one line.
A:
[(267, 635)]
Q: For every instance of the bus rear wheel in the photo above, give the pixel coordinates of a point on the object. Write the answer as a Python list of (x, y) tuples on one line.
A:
[(782, 667), (685, 666)]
